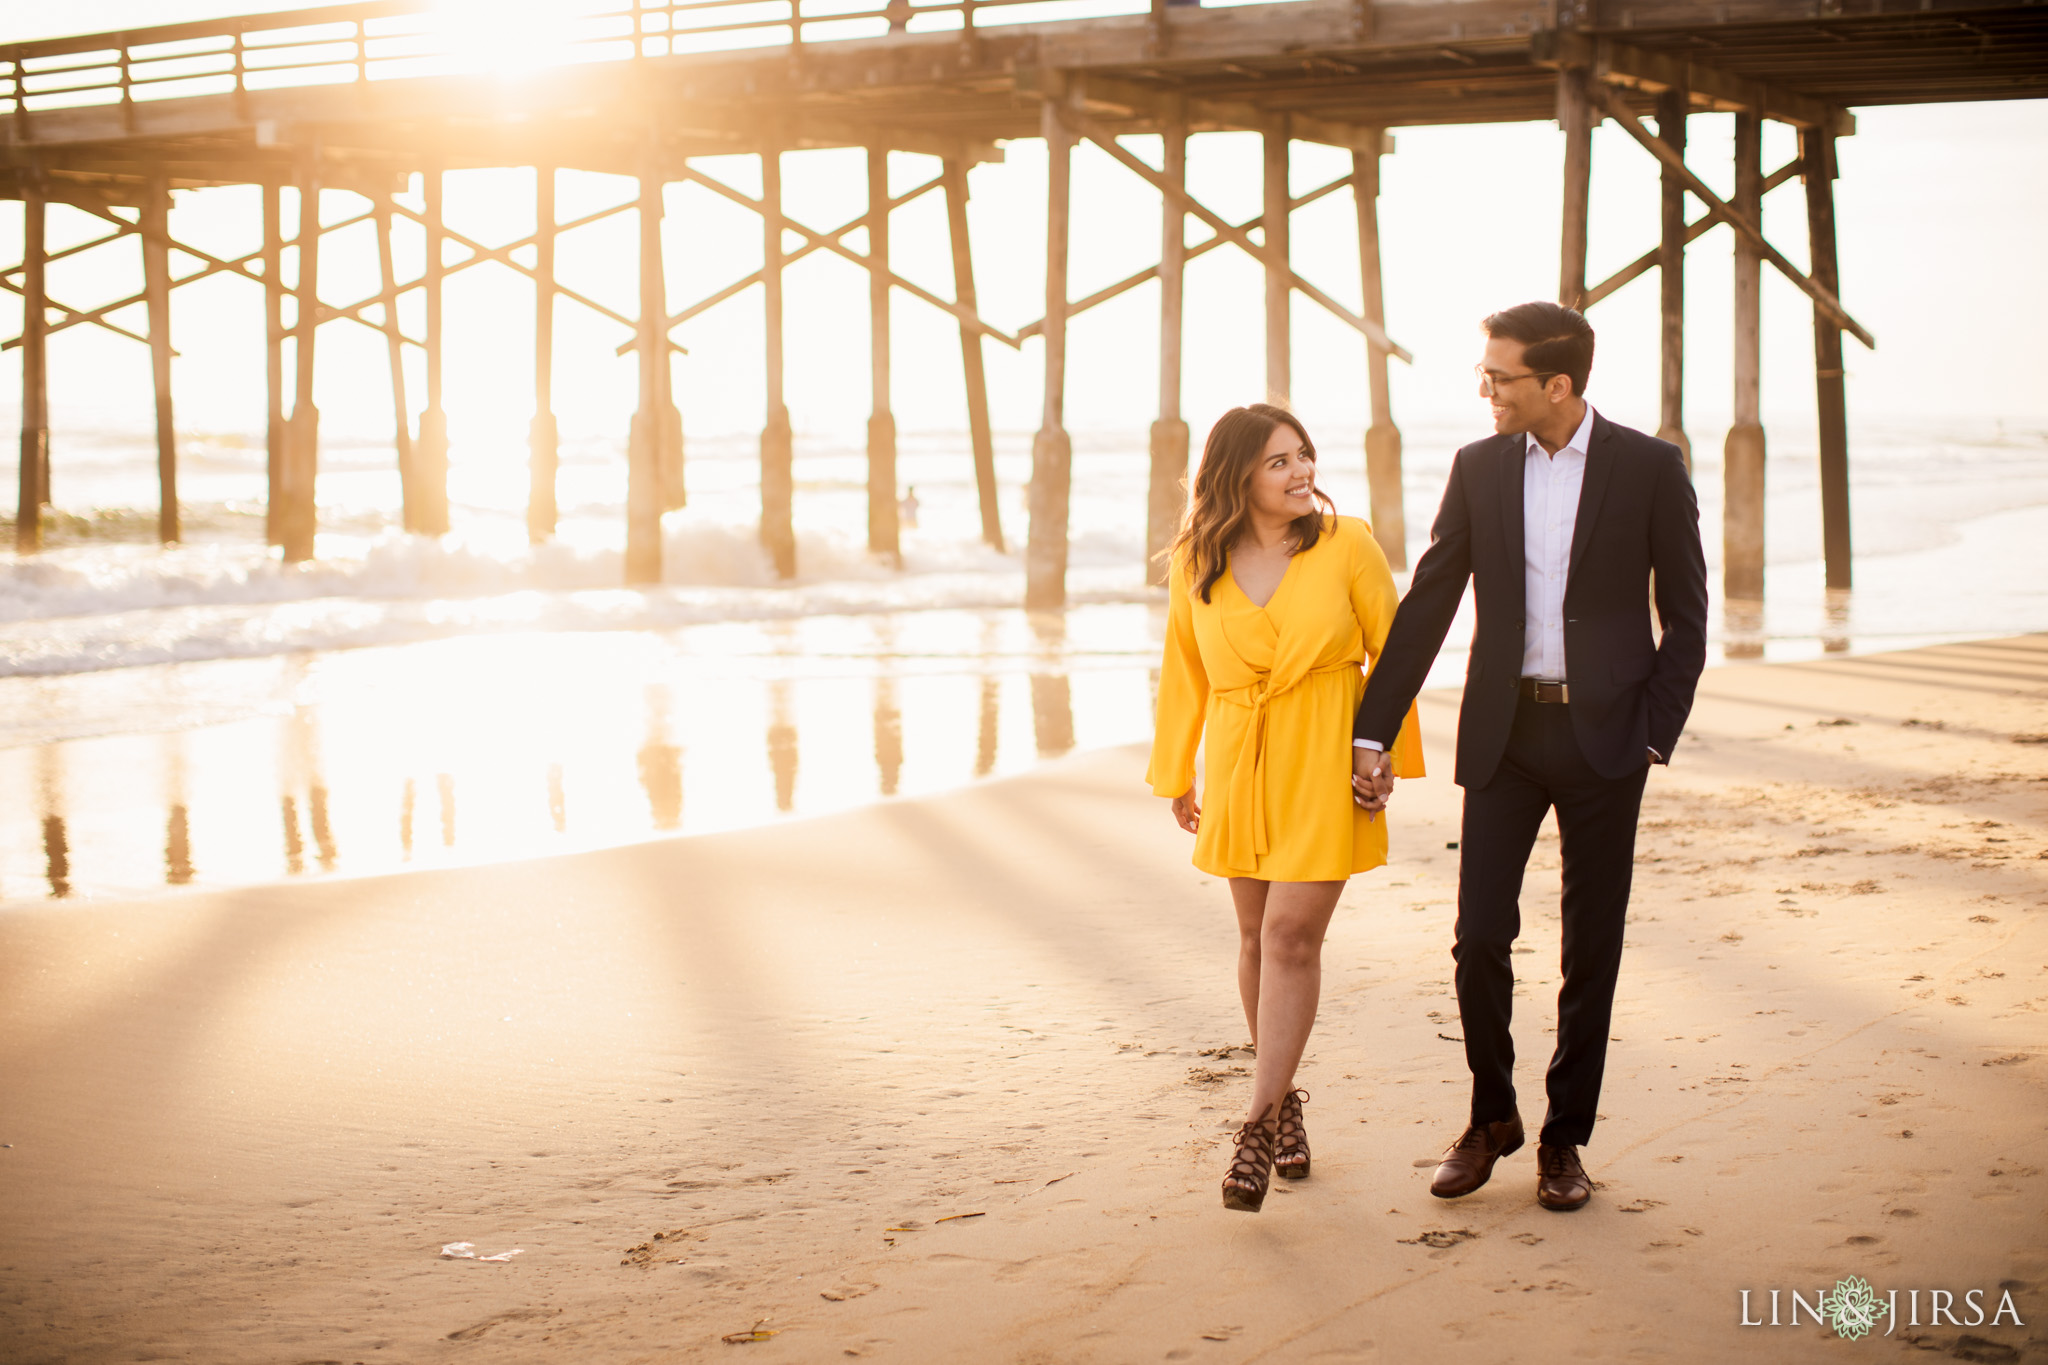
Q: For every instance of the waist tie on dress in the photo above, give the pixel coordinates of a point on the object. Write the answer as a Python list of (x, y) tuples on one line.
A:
[(1244, 833)]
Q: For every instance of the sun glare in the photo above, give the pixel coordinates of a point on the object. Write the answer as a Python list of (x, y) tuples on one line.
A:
[(506, 36)]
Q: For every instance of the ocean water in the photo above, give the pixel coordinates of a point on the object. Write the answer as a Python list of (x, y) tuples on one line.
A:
[(205, 715)]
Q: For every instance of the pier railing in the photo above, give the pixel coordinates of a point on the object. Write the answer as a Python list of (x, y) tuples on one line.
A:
[(386, 39)]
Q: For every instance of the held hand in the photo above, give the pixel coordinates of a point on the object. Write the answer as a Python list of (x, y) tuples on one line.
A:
[(1372, 780), (1188, 811)]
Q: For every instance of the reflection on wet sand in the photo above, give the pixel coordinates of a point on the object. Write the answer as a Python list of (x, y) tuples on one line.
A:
[(407, 800), (884, 708), (50, 801), (301, 773), (1834, 634), (991, 716), (1742, 629), (323, 832), (178, 828), (294, 846), (888, 736), (178, 847), (1052, 713), (57, 856), (444, 787), (782, 745), (661, 765), (1052, 698)]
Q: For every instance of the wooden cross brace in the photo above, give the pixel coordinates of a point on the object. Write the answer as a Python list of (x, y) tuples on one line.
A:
[(74, 316), (826, 241), (1224, 231), (1151, 272), (1694, 230), (816, 243), (1612, 104), (212, 265), (479, 254)]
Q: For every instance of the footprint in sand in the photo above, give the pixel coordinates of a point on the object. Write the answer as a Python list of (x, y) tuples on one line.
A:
[(656, 1248), (1440, 1239), (1202, 1075), (477, 1329)]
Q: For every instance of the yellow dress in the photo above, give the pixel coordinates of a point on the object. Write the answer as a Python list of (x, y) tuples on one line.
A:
[(1276, 687)]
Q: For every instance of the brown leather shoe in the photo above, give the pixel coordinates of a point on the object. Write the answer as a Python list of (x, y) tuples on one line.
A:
[(1561, 1182), (1469, 1160)]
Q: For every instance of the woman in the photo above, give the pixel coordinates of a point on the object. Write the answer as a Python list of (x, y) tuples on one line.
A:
[(1275, 605)]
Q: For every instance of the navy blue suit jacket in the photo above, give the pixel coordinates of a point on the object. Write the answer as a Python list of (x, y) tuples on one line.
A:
[(1631, 689)]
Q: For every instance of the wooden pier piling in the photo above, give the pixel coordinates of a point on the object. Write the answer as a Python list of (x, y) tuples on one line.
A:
[(669, 448), (1672, 106), (298, 519), (1052, 451), (1742, 507), (274, 431), (778, 474), (884, 536), (668, 420), (543, 438), (1817, 151), (675, 491), (156, 286), (1278, 203), (394, 353), (1382, 438), (34, 479), (1166, 496), (966, 308), (1575, 117), (643, 442), (430, 450)]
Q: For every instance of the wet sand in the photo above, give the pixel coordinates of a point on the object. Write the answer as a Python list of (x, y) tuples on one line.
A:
[(244, 1123)]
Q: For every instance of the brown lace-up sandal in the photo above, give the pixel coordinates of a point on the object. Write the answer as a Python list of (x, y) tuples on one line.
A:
[(1290, 1157), (1244, 1189)]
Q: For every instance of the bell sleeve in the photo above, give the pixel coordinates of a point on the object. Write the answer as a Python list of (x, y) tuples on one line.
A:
[(1374, 600), (1183, 695)]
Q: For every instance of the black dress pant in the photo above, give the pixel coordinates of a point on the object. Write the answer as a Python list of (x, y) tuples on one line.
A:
[(1596, 822)]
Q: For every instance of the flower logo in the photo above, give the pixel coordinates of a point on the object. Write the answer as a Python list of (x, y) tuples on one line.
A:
[(1853, 1308)]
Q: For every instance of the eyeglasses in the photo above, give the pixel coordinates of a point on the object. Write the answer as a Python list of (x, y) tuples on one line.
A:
[(1489, 381)]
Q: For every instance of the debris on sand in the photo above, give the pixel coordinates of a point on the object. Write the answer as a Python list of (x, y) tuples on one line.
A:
[(466, 1251)]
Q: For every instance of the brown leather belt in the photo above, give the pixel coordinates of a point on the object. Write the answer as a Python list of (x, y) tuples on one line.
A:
[(1536, 689)]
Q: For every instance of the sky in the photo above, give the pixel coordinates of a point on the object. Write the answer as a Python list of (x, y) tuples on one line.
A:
[(1939, 210)]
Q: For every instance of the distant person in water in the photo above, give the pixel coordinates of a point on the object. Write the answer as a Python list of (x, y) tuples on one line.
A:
[(1276, 606), (906, 510)]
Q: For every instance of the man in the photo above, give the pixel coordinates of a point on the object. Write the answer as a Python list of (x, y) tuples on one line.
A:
[(1564, 522)]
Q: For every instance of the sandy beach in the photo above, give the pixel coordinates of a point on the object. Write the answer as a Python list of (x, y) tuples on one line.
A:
[(948, 1079)]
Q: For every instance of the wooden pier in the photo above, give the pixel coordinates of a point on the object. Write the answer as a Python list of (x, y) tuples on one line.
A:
[(361, 97)]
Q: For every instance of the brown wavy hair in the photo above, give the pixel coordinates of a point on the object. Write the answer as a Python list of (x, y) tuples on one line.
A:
[(1220, 509)]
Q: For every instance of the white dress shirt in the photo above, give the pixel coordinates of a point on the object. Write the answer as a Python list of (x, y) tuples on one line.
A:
[(1550, 512)]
